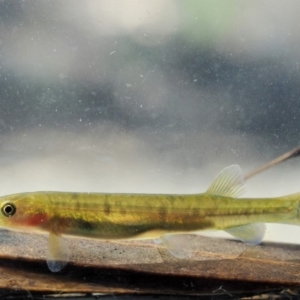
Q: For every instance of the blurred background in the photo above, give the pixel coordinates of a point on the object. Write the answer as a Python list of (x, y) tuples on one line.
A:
[(148, 96)]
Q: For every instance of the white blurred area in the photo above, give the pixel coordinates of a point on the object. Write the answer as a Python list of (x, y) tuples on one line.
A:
[(102, 42), (64, 53), (108, 158), (56, 38)]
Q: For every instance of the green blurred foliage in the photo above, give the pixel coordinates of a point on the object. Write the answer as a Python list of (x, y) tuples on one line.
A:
[(204, 22)]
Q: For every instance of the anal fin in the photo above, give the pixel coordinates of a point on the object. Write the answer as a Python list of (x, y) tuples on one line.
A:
[(251, 234), (58, 253)]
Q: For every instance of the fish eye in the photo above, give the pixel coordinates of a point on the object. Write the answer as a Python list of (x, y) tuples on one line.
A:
[(8, 209)]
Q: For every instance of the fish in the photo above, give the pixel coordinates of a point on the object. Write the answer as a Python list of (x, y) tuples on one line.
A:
[(113, 216)]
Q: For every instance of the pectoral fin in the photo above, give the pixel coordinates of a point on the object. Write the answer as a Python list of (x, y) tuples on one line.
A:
[(58, 253), (252, 234)]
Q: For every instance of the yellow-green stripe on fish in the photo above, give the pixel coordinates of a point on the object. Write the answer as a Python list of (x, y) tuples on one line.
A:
[(143, 216)]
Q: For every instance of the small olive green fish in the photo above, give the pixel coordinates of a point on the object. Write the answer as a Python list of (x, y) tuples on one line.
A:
[(144, 216)]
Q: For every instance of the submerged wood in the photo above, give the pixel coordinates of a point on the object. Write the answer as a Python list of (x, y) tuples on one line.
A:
[(143, 267)]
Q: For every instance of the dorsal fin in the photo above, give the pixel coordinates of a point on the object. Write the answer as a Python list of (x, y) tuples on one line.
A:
[(229, 183)]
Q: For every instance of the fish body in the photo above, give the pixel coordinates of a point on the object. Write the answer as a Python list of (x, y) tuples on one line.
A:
[(142, 216)]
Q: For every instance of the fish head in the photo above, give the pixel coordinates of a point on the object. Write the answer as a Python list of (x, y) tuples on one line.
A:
[(22, 211)]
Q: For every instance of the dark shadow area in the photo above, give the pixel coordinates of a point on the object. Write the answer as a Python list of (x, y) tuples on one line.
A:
[(102, 280)]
